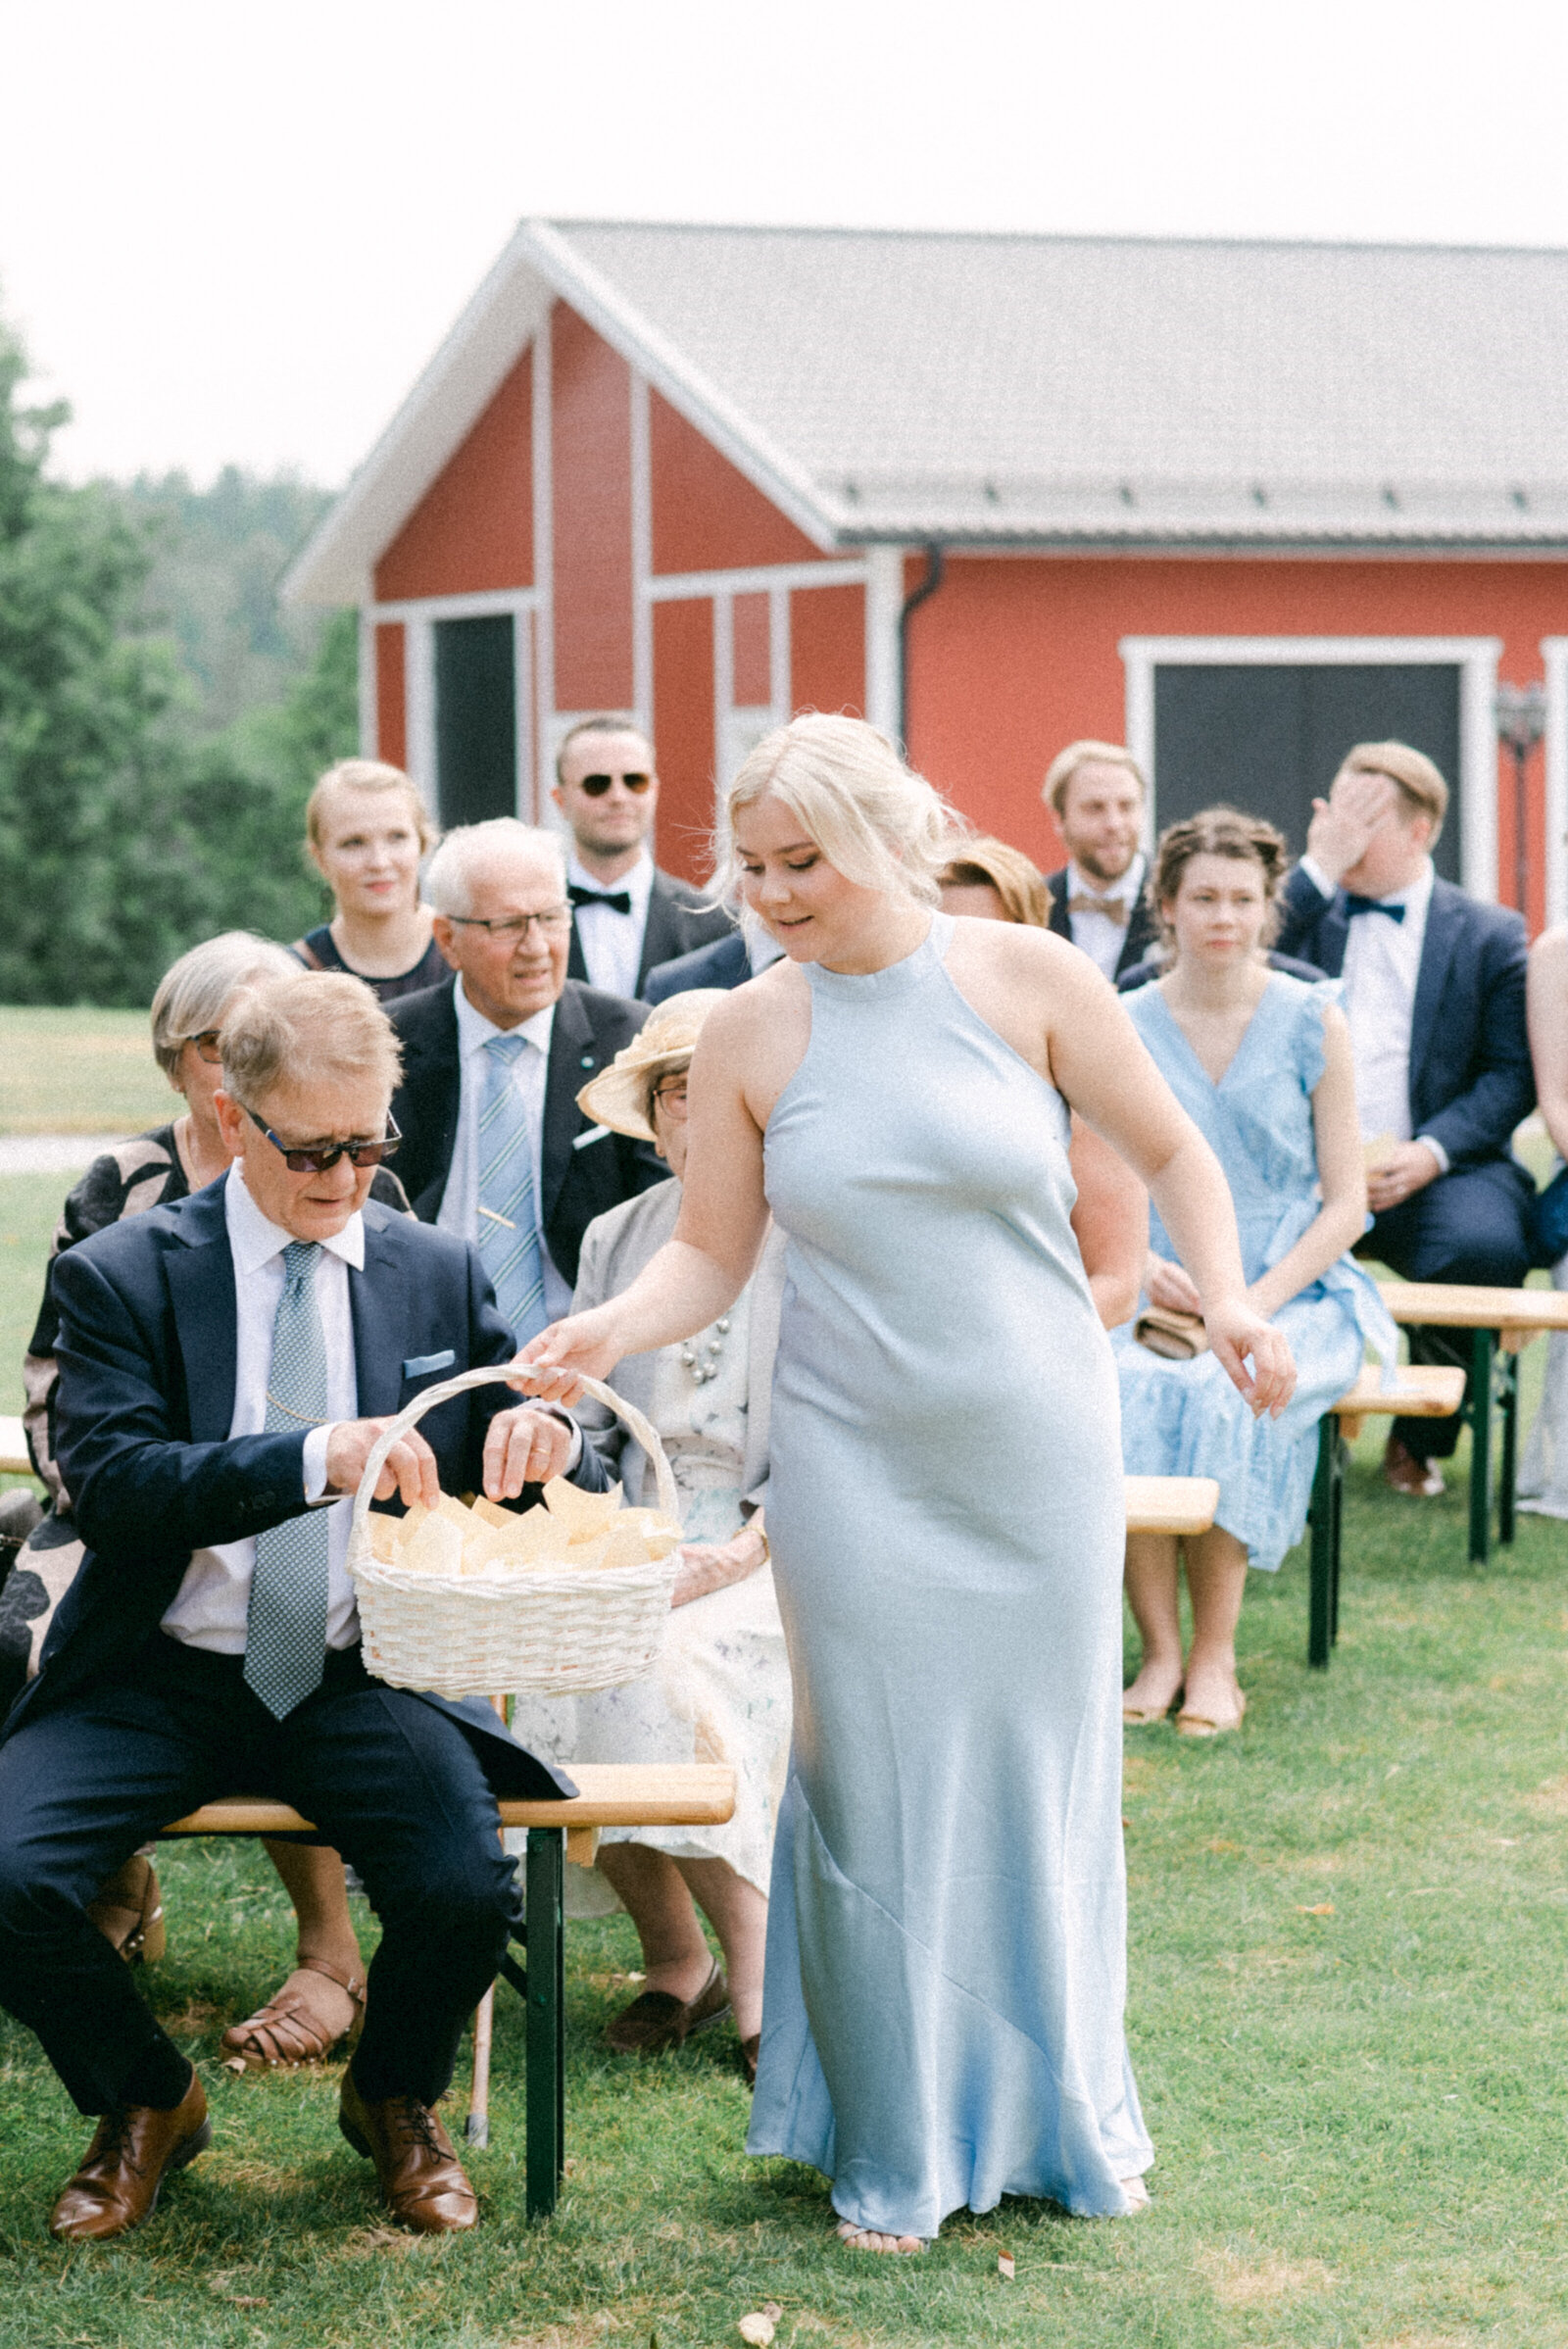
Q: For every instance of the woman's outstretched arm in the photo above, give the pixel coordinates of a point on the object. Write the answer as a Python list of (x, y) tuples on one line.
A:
[(1342, 1173)]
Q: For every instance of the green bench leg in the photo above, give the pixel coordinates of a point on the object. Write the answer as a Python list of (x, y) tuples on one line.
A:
[(545, 2066), (1326, 1512), (1483, 1349), (1507, 1383)]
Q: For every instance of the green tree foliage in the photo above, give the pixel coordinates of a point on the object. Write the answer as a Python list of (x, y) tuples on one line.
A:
[(127, 829)]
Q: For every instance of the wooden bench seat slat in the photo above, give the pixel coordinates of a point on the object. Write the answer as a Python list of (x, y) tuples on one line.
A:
[(1171, 1504), (1460, 1309), (13, 1458), (613, 1794), (1424, 1391)]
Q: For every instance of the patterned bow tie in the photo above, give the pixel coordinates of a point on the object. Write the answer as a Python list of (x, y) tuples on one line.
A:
[(1355, 905), (1114, 909), (618, 899)]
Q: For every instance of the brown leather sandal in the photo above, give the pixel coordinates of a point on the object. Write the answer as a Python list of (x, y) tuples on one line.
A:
[(285, 2034), (129, 1911)]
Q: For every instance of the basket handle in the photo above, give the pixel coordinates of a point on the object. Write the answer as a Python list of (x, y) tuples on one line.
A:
[(642, 1429)]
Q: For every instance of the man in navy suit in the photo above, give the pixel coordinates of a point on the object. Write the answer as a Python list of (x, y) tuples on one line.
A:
[(225, 1366), (1435, 996), (725, 963)]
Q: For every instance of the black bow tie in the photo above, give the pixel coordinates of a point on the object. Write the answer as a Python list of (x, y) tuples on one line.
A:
[(1355, 905), (618, 899)]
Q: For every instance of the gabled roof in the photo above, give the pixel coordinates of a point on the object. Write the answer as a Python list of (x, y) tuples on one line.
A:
[(1035, 391)]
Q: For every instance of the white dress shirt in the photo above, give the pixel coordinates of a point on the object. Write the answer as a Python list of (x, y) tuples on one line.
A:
[(459, 1201), (1381, 964), (1101, 938), (613, 942), (211, 1608)]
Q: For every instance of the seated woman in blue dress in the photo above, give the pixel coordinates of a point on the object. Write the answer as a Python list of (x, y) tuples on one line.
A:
[(1261, 1062)]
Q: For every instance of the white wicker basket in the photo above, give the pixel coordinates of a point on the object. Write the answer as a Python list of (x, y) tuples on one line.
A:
[(559, 1630)]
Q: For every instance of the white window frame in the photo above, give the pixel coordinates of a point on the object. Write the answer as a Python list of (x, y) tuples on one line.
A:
[(1474, 656), (1554, 657)]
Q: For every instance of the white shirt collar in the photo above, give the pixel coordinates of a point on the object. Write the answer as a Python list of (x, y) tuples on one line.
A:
[(474, 1031), (254, 1238), (1123, 891), (638, 883)]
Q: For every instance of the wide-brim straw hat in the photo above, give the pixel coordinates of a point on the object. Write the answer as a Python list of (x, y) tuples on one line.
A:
[(621, 1096)]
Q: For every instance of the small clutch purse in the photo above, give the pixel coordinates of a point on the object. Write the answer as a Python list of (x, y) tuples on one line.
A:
[(1174, 1337)]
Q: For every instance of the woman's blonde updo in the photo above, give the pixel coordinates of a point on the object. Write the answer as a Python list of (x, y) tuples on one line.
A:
[(876, 822), (1217, 832)]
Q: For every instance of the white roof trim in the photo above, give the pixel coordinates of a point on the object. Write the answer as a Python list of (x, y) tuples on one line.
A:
[(336, 563), (538, 264)]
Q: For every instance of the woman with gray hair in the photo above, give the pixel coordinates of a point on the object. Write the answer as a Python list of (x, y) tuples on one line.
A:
[(323, 1996)]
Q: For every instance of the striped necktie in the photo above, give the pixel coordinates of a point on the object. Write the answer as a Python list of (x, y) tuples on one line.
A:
[(286, 1638), (509, 1220)]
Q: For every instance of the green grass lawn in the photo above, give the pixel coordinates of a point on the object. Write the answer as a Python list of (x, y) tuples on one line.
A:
[(1349, 2016), (79, 1072)]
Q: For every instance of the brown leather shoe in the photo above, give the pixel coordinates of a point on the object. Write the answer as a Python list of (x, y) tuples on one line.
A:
[(421, 2179), (132, 2153), (1406, 1474), (658, 2019)]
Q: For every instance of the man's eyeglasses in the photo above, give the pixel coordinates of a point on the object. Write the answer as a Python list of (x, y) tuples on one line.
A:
[(596, 786), (207, 1046), (672, 1092), (554, 923), (321, 1155)]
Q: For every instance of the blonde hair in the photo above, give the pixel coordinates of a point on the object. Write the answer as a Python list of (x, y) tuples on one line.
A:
[(194, 992), (983, 863), (364, 775), (315, 1024), (1421, 787), (1066, 764), (877, 823)]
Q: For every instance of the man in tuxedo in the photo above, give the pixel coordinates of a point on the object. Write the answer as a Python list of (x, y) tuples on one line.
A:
[(1094, 789), (1435, 996), (226, 1364), (495, 1148), (628, 916)]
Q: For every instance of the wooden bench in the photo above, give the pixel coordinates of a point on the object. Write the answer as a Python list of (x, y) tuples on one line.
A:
[(15, 1457), (1421, 1390), (1500, 1321), (1170, 1505), (613, 1794)]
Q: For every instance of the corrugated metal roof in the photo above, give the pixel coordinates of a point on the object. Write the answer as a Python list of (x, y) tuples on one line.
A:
[(999, 387), (1043, 391)]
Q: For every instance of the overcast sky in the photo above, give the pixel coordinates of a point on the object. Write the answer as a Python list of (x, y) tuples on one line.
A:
[(237, 232)]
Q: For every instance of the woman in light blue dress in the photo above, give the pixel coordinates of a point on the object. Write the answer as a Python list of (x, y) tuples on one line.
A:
[(1261, 1064), (942, 2019)]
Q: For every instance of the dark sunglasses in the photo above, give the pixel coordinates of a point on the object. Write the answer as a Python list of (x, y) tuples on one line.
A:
[(596, 786), (316, 1161)]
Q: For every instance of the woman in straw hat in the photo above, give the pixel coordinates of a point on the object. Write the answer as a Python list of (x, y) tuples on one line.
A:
[(721, 1689), (946, 1947)]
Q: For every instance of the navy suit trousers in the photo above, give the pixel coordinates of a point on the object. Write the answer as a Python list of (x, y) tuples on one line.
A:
[(1467, 1228), (389, 1782)]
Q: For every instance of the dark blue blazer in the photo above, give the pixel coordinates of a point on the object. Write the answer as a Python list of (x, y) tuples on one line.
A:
[(1471, 1079), (723, 963), (148, 1332)]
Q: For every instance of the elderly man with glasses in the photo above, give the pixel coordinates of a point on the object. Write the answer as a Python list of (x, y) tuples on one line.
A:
[(226, 1364), (628, 916), (495, 1148)]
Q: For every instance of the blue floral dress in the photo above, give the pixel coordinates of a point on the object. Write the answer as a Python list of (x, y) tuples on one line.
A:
[(1186, 1418)]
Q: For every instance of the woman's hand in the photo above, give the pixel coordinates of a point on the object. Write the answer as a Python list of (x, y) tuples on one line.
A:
[(1170, 1286), (1236, 1331), (554, 1365), (712, 1566)]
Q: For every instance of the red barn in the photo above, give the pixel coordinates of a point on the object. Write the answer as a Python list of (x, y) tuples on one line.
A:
[(1239, 505)]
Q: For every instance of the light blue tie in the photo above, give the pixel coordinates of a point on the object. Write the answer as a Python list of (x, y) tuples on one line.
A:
[(286, 1639), (508, 1222)]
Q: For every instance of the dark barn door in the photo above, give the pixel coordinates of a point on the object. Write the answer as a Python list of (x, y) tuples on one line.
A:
[(1271, 739), (475, 719)]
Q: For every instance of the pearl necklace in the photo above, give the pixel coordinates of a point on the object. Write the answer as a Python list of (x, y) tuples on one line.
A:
[(705, 1365)]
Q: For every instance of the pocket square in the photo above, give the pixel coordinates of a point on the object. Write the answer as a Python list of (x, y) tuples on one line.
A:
[(419, 1366), (593, 1134)]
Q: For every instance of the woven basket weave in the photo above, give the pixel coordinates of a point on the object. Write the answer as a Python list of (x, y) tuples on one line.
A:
[(558, 1630)]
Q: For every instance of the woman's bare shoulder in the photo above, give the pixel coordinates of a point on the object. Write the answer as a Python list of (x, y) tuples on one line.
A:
[(1549, 954), (1020, 953)]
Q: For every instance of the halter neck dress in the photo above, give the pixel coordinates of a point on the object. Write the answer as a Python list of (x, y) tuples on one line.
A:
[(945, 1950)]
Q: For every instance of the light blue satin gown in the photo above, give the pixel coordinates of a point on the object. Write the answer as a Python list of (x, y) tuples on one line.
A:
[(946, 1951), (1186, 1418)]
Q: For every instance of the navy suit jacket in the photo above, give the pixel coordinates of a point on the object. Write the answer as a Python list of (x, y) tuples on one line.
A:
[(148, 1332), (1471, 1079), (723, 963)]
